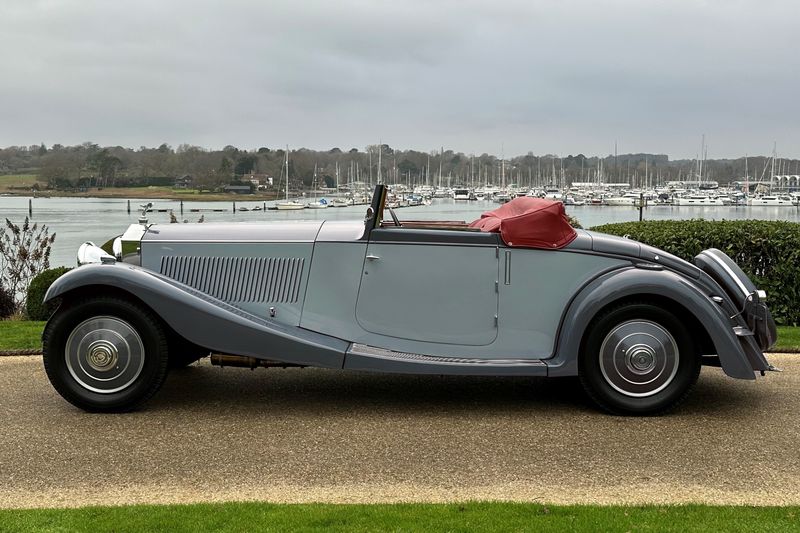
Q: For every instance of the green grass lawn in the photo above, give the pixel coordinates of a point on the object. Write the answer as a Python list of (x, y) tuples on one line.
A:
[(22, 334), (18, 180), (241, 517)]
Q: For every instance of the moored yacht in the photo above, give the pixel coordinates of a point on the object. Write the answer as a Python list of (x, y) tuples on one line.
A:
[(771, 200), (697, 199)]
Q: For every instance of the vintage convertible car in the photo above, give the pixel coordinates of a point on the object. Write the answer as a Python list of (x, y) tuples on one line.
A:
[(518, 292)]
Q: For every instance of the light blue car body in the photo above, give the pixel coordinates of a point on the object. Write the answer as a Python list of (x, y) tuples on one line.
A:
[(374, 297)]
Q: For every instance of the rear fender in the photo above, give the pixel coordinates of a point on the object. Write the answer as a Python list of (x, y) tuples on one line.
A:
[(633, 282), (204, 320)]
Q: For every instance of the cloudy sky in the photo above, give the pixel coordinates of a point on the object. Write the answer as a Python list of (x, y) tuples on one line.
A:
[(474, 76)]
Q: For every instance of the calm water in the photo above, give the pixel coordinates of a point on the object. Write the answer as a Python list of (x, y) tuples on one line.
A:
[(76, 220)]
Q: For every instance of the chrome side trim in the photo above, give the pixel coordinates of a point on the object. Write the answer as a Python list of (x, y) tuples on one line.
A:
[(730, 272)]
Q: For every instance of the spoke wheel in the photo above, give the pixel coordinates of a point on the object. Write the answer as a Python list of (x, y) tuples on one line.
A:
[(638, 358)]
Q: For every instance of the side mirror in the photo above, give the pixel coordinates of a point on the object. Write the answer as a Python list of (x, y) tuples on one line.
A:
[(370, 213)]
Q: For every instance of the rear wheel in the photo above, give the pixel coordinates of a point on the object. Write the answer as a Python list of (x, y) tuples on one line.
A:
[(105, 354), (638, 359)]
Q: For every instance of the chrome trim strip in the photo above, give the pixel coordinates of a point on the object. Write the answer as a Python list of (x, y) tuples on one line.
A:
[(730, 272)]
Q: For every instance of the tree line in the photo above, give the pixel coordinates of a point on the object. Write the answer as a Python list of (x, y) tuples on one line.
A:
[(92, 165)]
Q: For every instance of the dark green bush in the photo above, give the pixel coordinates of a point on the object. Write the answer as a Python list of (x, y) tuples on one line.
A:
[(36, 309), (7, 305), (768, 252)]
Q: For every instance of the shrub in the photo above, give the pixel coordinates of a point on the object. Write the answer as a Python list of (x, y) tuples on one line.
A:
[(24, 253), (36, 308), (767, 251), (7, 305)]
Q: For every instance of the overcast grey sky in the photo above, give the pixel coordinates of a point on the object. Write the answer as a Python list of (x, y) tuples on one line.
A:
[(544, 76)]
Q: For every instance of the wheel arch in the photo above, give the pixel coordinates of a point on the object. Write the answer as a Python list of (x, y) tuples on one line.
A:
[(175, 340), (201, 319), (701, 340), (703, 317)]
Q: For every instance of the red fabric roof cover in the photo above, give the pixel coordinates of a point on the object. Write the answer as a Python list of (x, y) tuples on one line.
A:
[(529, 223)]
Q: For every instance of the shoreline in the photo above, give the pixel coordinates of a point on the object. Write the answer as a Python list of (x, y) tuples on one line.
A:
[(143, 193)]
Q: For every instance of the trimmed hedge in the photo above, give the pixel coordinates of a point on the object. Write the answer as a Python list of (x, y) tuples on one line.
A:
[(7, 305), (36, 309), (768, 251)]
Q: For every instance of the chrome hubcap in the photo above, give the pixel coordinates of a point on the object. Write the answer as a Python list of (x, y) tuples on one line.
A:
[(104, 354), (639, 358)]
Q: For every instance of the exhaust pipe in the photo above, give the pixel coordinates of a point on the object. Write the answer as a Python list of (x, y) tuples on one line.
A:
[(242, 361)]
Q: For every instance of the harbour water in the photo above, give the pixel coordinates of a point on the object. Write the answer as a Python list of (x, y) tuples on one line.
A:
[(76, 220)]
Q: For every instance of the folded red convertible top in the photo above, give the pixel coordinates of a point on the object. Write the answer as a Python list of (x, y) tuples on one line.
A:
[(529, 223)]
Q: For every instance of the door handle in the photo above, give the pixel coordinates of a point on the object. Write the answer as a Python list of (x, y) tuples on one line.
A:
[(372, 257)]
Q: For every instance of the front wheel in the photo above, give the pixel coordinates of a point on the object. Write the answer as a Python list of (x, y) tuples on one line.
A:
[(105, 354), (638, 359)]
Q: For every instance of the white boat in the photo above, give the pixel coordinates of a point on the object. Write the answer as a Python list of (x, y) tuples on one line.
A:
[(322, 203), (630, 198), (551, 193), (771, 201), (340, 202), (287, 204), (460, 194), (574, 200), (697, 199)]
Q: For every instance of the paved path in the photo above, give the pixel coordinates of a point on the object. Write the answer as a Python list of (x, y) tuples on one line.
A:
[(302, 435)]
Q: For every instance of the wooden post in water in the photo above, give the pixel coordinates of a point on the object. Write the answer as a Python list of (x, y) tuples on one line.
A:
[(234, 207), (30, 207), (641, 206), (181, 207), (264, 206), (129, 207)]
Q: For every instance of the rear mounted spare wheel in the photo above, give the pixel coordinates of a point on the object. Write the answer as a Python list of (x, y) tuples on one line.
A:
[(105, 354), (638, 358)]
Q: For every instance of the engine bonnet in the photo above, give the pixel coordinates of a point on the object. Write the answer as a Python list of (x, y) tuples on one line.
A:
[(305, 231)]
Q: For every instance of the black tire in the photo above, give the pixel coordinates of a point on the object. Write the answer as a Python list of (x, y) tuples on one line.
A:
[(105, 354), (638, 359)]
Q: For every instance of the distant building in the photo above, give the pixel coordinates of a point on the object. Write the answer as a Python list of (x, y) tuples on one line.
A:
[(184, 182), (238, 189), (257, 179)]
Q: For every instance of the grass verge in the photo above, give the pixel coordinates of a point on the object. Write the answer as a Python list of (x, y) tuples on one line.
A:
[(9, 181), (20, 334), (27, 335), (477, 516)]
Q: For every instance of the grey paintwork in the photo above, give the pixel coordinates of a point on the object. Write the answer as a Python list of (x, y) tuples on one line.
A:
[(635, 281), (156, 253), (412, 301), (301, 231), (203, 320)]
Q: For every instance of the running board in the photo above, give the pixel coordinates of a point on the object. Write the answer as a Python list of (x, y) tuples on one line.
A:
[(370, 358)]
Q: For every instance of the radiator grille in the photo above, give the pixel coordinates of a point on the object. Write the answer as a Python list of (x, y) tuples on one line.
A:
[(239, 279)]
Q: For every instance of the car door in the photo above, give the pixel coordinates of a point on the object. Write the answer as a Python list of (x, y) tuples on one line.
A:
[(437, 286)]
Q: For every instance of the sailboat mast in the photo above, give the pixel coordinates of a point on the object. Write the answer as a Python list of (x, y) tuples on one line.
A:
[(380, 151), (441, 156), (287, 172)]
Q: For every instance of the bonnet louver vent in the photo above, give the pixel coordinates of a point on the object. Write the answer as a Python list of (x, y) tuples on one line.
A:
[(239, 279)]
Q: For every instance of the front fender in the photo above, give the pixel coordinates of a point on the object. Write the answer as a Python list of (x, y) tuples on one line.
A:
[(632, 282), (204, 320)]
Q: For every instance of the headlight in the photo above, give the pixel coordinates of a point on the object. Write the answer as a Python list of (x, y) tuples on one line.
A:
[(89, 252), (116, 247)]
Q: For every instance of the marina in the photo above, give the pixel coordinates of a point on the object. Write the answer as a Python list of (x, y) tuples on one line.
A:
[(76, 220)]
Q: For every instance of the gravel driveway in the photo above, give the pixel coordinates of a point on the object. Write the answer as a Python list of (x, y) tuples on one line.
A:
[(300, 435)]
